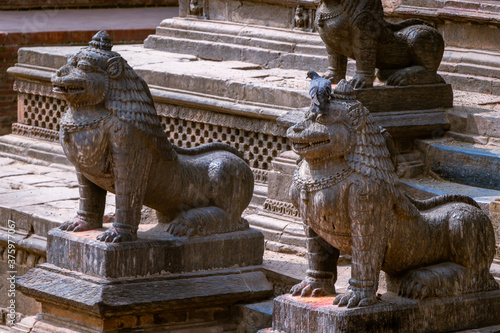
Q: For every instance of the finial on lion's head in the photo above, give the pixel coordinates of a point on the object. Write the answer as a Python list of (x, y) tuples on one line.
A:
[(101, 41), (101, 44), (344, 91)]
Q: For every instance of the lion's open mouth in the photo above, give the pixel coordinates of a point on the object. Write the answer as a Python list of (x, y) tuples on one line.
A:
[(64, 89), (306, 145)]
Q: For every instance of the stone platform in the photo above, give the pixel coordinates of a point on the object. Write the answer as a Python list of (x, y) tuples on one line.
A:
[(391, 314)]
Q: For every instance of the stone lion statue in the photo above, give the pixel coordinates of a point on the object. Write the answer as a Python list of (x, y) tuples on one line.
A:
[(350, 200), (113, 136), (407, 53)]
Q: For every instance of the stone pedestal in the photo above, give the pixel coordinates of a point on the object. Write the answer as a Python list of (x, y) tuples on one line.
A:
[(391, 314), (158, 283)]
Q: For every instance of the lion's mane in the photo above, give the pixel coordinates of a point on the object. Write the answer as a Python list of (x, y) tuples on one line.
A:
[(129, 98), (354, 8), (368, 155)]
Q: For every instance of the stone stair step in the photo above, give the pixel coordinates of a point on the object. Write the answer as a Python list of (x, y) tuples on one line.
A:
[(485, 123), (469, 138), (243, 30), (217, 51), (477, 70), (469, 82), (255, 316), (226, 38), (435, 186), (409, 165), (462, 162), (33, 151)]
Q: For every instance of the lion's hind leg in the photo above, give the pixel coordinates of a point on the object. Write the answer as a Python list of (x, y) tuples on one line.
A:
[(414, 75), (426, 47), (472, 245), (201, 222), (438, 280), (465, 269)]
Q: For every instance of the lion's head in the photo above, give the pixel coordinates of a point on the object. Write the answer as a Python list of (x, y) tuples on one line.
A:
[(85, 79), (346, 130), (95, 75)]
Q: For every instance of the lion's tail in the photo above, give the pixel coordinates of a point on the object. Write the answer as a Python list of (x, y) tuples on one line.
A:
[(406, 23), (208, 148), (441, 200)]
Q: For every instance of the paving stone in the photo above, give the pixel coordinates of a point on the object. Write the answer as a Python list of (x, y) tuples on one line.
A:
[(6, 161), (17, 199), (9, 171), (31, 179)]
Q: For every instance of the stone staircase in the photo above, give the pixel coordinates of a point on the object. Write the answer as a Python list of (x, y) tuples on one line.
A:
[(476, 70), (470, 152), (464, 160)]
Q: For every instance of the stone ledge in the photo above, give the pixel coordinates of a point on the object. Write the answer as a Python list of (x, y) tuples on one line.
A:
[(50, 284)]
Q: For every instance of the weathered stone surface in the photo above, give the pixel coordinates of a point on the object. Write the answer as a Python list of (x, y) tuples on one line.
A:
[(156, 283), (390, 314), (487, 124), (153, 253)]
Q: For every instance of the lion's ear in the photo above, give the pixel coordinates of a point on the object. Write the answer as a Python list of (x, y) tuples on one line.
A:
[(115, 67)]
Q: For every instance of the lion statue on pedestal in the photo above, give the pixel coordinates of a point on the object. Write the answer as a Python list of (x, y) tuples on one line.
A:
[(113, 136), (350, 199), (406, 53)]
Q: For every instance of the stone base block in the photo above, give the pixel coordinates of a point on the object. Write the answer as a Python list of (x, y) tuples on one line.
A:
[(391, 314), (155, 252), (424, 97)]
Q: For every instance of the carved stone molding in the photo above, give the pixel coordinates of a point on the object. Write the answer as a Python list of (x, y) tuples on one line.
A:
[(280, 208)]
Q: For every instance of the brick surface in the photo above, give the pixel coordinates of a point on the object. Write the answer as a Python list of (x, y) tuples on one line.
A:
[(71, 27), (37, 4)]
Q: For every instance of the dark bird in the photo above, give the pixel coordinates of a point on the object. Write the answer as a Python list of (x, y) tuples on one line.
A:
[(320, 90)]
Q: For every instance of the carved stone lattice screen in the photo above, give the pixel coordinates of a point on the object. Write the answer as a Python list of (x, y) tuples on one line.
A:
[(259, 149), (42, 111)]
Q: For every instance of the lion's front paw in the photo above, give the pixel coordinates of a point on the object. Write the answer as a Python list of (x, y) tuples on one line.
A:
[(79, 224), (360, 81), (184, 227), (354, 298), (117, 235), (313, 287), (333, 76), (415, 289)]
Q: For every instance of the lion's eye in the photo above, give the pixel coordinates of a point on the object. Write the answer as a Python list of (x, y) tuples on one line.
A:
[(324, 119), (84, 65)]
